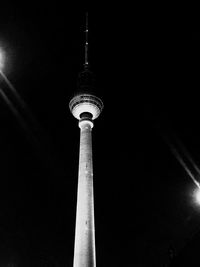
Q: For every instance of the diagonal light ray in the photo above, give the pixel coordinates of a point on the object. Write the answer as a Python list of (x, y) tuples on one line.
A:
[(15, 112), (168, 135), (187, 155), (20, 101), (181, 161), (32, 138), (39, 139)]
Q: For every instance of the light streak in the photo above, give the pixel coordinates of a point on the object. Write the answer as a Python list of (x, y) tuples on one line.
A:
[(197, 196), (12, 88), (18, 98), (182, 162), (188, 156), (35, 134), (163, 132), (32, 138), (1, 59), (14, 110), (22, 109)]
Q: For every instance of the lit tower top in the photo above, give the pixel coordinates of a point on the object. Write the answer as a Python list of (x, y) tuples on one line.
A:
[(84, 103), (85, 107)]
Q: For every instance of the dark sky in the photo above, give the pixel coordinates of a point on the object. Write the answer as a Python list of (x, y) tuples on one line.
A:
[(147, 76)]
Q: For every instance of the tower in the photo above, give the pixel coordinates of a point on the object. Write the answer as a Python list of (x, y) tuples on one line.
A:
[(85, 107)]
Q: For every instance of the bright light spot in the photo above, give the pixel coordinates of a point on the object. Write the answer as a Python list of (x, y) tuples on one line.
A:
[(1, 59), (197, 196)]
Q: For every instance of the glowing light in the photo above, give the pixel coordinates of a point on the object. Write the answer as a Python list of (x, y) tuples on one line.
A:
[(197, 196), (1, 59), (183, 163)]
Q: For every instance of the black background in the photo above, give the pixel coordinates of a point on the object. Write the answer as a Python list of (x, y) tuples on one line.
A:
[(147, 76)]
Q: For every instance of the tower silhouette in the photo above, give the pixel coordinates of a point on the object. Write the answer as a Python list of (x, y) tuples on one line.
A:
[(85, 107)]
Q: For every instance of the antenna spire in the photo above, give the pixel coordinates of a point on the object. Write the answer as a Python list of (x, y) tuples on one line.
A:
[(86, 65)]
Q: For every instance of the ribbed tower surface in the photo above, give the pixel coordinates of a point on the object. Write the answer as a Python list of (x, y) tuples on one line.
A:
[(83, 104)]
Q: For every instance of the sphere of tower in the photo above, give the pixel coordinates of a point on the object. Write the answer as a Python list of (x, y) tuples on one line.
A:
[(85, 103)]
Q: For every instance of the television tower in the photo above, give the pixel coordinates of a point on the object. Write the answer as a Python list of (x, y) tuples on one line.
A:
[(86, 108)]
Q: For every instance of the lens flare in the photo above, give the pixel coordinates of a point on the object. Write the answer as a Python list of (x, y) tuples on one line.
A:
[(197, 196), (1, 59)]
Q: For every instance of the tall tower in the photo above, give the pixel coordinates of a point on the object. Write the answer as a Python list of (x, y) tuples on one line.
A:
[(86, 108)]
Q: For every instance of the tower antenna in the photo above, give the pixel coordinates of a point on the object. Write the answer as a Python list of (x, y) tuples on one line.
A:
[(86, 65)]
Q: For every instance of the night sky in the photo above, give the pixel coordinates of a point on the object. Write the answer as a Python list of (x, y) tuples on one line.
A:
[(147, 75)]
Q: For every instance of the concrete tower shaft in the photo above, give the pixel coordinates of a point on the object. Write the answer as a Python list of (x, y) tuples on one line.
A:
[(85, 108), (84, 250)]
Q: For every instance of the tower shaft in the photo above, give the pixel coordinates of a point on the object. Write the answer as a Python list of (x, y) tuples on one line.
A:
[(84, 250)]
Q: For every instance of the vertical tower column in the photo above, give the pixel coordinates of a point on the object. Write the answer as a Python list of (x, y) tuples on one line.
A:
[(84, 250)]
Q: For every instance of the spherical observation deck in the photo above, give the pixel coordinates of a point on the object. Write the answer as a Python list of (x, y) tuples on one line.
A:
[(85, 103)]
